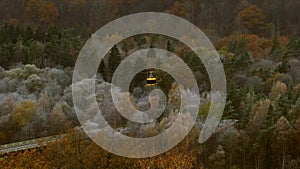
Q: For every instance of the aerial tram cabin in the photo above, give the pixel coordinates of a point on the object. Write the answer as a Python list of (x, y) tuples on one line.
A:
[(151, 80)]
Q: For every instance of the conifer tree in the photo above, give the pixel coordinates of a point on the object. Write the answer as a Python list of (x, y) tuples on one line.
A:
[(114, 60)]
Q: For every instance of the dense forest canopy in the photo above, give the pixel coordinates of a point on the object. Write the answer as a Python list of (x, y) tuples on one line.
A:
[(259, 45), (215, 17)]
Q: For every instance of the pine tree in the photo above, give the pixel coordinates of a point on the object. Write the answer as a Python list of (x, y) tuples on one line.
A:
[(103, 71), (28, 34), (114, 60), (170, 46)]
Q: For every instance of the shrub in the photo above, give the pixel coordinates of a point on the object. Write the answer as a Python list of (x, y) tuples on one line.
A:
[(23, 112)]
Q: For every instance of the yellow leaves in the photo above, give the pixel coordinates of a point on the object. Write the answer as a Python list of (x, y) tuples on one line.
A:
[(24, 112), (27, 159), (182, 156), (163, 123), (204, 109), (170, 160), (75, 150)]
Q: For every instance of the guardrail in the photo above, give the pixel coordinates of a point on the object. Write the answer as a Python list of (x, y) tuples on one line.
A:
[(28, 144)]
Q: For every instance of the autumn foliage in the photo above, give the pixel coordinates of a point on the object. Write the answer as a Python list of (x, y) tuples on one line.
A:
[(44, 12), (253, 19), (179, 9), (76, 150), (24, 112), (259, 47)]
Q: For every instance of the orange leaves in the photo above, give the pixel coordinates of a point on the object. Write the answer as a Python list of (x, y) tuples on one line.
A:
[(252, 18), (27, 159), (43, 12), (170, 160), (181, 156), (258, 46), (48, 12), (76, 150)]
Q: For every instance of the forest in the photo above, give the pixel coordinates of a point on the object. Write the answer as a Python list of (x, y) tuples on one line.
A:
[(259, 45)]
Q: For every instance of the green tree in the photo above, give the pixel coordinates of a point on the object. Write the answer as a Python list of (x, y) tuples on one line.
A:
[(35, 53), (114, 60), (170, 46)]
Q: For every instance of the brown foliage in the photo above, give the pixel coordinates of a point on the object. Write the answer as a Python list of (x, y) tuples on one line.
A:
[(118, 7), (278, 89), (258, 114), (76, 150), (259, 47), (27, 159), (43, 12), (24, 112), (253, 19), (178, 9)]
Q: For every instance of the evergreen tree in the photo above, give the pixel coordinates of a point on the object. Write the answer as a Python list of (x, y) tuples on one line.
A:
[(170, 46), (103, 71), (28, 34), (39, 34), (114, 60), (276, 50)]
